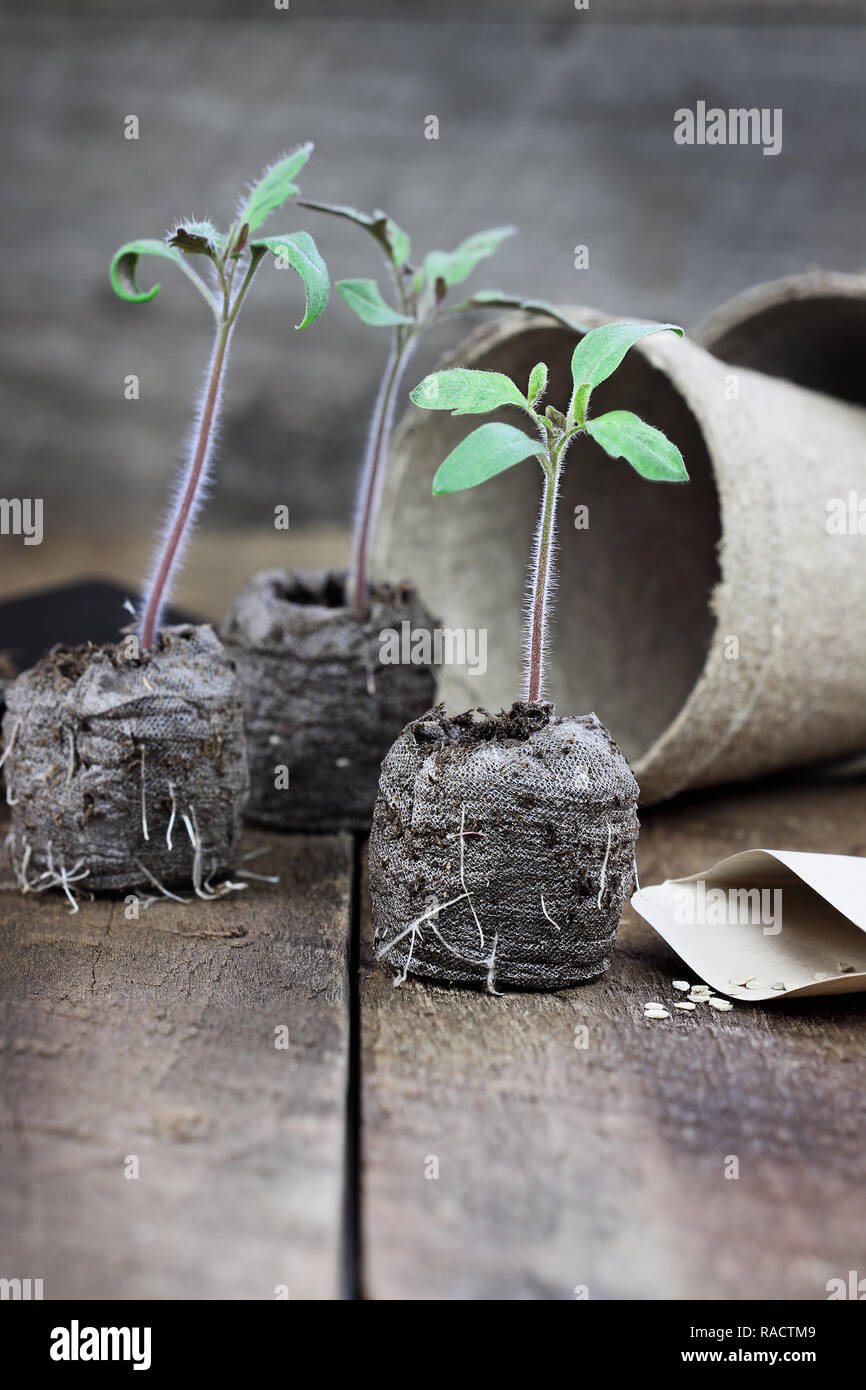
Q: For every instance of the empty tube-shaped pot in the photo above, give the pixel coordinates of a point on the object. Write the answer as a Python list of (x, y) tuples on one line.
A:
[(808, 328)]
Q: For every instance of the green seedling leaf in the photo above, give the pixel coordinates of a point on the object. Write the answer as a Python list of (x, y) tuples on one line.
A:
[(600, 352), (495, 299), (556, 417), (399, 244), (537, 383), (466, 392), (481, 455), (125, 263), (455, 266), (274, 187), (364, 219), (390, 237), (580, 401), (240, 240), (650, 453), (298, 250), (365, 299), (197, 239)]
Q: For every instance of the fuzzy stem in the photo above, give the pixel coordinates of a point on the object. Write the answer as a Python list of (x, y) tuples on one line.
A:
[(540, 585), (185, 512), (196, 475), (378, 444)]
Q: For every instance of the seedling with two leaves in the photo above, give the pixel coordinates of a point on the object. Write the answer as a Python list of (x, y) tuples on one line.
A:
[(231, 260), (494, 447), (420, 294)]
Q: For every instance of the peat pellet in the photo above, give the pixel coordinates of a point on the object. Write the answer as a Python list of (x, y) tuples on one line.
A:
[(321, 707), (502, 848), (125, 771)]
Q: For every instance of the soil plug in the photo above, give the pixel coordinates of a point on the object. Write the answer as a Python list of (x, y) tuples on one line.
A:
[(521, 825), (126, 764), (322, 705)]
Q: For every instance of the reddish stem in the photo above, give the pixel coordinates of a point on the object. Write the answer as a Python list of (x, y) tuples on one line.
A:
[(371, 477), (187, 507)]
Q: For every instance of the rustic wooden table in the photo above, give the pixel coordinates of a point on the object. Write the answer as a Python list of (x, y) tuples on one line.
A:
[(418, 1142)]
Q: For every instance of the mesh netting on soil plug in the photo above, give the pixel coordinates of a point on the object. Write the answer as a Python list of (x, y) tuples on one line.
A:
[(319, 703), (502, 848), (126, 773)]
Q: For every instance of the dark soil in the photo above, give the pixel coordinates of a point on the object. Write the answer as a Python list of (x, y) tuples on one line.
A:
[(545, 811), (111, 753), (318, 702)]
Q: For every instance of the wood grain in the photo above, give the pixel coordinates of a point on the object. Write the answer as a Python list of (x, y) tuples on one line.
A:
[(156, 1039), (562, 1167)]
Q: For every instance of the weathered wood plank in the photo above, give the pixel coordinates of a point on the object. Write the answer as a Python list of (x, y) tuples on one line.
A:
[(157, 1039), (561, 1167)]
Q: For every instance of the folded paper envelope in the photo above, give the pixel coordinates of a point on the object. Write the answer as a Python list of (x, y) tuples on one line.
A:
[(767, 923)]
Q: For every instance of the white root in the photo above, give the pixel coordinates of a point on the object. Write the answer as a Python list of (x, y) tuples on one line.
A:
[(462, 879), (143, 799), (51, 877), (248, 873), (70, 768), (491, 988), (219, 890), (440, 907), (171, 818), (8, 749), (604, 862), (453, 949), (547, 914), (200, 892), (159, 886), (401, 979), (433, 913), (203, 889), (71, 877), (21, 874)]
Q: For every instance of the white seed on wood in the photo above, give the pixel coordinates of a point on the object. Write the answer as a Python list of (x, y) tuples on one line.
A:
[(685, 1004), (681, 985), (656, 1013), (722, 1004)]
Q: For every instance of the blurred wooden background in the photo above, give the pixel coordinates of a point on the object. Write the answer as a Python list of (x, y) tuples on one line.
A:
[(562, 123)]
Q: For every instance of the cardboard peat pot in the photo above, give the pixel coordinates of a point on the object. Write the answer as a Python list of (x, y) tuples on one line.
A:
[(126, 773), (717, 628), (808, 328), (321, 708), (502, 849)]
